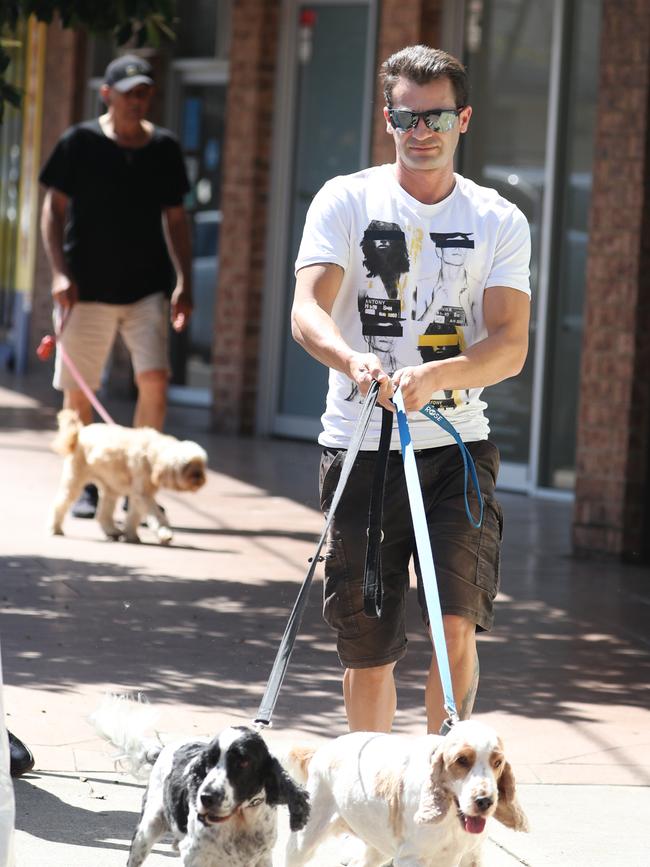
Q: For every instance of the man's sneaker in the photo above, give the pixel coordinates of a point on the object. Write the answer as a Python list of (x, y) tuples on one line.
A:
[(86, 505), (20, 756)]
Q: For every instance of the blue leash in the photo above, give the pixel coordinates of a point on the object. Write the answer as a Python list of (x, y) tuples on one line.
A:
[(422, 540), (435, 415)]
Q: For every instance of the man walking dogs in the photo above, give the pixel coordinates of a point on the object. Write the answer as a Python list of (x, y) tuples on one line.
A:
[(442, 341), (117, 238)]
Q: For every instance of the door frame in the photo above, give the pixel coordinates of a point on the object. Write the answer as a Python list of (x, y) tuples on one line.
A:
[(269, 420)]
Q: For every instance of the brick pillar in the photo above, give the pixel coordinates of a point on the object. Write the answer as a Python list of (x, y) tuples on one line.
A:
[(64, 85), (246, 181), (613, 445)]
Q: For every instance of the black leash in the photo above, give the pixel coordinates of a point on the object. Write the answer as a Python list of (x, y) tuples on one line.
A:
[(372, 585), (270, 697)]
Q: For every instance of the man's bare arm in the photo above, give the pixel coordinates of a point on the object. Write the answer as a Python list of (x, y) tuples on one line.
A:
[(53, 217), (314, 329), (497, 357), (177, 236)]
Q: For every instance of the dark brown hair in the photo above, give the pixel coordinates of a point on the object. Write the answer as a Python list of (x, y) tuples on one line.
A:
[(421, 64)]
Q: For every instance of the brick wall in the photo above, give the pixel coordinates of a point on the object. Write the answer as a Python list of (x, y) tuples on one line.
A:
[(613, 443), (65, 52), (245, 189)]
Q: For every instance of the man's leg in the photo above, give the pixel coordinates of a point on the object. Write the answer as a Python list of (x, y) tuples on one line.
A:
[(85, 506), (151, 405), (145, 327), (74, 398), (460, 634), (370, 698), (87, 337)]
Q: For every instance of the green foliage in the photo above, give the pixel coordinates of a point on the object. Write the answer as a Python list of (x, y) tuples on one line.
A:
[(142, 22)]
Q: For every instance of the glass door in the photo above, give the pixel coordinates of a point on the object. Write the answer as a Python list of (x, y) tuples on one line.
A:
[(201, 131), (566, 320), (330, 95), (508, 55)]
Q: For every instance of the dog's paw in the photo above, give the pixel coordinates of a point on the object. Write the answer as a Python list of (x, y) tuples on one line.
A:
[(112, 533), (55, 530), (165, 535), (133, 538)]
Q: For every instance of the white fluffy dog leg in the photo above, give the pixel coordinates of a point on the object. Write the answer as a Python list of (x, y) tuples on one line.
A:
[(70, 487), (105, 509), (158, 522)]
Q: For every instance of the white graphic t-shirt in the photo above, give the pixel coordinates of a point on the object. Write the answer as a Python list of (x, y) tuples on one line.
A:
[(413, 287)]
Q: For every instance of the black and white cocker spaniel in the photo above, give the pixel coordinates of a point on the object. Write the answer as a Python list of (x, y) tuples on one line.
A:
[(218, 798)]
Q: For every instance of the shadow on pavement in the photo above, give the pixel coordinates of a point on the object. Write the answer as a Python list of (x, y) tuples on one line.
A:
[(565, 638)]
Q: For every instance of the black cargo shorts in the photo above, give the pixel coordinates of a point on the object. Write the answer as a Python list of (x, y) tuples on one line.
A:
[(466, 559)]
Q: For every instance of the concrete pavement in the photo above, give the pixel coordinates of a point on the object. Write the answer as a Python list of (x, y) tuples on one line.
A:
[(195, 626)]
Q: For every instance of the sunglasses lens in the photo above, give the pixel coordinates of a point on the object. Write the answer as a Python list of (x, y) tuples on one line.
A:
[(402, 119), (441, 122)]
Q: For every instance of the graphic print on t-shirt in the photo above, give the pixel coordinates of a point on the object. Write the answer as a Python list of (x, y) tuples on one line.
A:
[(441, 304), (445, 307), (380, 305)]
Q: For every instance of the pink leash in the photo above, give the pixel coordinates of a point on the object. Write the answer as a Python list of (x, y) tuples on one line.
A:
[(45, 349)]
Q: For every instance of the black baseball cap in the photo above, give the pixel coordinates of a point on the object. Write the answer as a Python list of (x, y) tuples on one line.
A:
[(127, 72)]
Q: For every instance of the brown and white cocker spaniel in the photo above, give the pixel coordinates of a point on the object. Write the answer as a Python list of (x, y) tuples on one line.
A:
[(123, 461), (416, 800)]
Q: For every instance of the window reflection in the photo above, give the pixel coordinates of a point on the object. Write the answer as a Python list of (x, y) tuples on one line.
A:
[(508, 59)]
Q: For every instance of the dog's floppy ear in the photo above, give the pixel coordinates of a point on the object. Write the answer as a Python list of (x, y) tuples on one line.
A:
[(508, 810), (435, 798), (281, 789)]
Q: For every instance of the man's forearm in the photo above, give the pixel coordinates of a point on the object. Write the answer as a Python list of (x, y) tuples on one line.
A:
[(177, 235), (52, 231), (487, 362), (318, 334)]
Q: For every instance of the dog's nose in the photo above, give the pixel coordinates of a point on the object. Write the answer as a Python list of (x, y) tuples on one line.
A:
[(211, 799), (483, 803)]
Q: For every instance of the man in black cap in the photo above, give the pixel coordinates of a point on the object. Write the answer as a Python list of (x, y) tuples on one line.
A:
[(117, 238)]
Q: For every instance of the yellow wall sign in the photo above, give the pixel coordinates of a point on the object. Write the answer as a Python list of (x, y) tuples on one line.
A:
[(32, 109)]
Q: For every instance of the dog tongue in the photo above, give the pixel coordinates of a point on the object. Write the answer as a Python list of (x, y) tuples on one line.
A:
[(474, 824)]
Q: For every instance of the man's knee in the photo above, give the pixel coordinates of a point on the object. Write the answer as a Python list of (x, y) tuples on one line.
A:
[(74, 398), (460, 633), (375, 674), (152, 380)]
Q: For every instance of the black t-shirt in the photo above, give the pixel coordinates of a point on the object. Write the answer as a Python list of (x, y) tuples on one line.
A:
[(114, 241)]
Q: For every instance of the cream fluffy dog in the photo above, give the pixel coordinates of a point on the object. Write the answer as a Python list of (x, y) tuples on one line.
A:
[(123, 461)]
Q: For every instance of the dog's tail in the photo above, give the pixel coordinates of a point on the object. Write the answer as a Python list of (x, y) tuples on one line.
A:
[(297, 762), (70, 424), (123, 721)]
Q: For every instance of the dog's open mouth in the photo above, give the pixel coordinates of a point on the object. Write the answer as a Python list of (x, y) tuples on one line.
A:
[(213, 818), (472, 824)]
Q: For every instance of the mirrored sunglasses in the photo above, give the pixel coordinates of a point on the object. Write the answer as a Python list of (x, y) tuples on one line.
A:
[(437, 119)]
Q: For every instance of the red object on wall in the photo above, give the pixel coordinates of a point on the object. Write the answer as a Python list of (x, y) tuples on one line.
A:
[(307, 17)]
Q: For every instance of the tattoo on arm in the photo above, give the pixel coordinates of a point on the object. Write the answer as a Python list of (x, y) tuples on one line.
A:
[(467, 703)]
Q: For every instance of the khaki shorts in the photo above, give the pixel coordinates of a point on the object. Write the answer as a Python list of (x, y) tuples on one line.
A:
[(90, 332), (466, 559)]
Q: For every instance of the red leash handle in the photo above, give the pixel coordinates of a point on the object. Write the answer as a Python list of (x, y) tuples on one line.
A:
[(46, 348)]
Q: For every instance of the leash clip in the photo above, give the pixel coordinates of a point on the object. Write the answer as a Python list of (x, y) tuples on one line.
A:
[(318, 559), (447, 723), (261, 724)]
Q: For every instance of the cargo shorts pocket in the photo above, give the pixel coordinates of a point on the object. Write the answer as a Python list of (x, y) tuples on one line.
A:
[(329, 473), (340, 608), (488, 566)]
